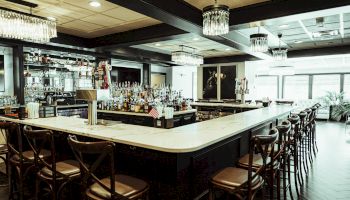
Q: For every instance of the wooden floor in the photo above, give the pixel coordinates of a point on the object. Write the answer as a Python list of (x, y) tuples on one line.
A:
[(329, 177)]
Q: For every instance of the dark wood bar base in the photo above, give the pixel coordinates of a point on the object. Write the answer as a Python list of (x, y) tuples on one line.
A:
[(182, 176), (178, 120)]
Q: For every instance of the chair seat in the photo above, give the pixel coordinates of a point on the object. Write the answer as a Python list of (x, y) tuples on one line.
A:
[(257, 161), (232, 177), (29, 155), (67, 167), (126, 186)]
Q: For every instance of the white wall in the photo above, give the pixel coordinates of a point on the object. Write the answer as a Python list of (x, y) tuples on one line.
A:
[(161, 69), (240, 70), (184, 78), (8, 68)]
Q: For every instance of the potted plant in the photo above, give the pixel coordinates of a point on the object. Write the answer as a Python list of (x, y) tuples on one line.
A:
[(335, 102), (341, 110)]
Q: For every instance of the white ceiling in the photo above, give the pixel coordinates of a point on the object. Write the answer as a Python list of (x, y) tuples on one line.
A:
[(204, 47), (77, 17)]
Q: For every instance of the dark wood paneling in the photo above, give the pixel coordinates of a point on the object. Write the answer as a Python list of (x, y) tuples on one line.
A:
[(18, 71), (155, 33)]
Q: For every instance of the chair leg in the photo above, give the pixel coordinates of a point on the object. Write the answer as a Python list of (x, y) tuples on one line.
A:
[(37, 189), (10, 180), (289, 178)]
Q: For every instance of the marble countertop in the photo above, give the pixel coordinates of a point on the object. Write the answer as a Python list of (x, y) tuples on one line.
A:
[(182, 139), (144, 114), (230, 105)]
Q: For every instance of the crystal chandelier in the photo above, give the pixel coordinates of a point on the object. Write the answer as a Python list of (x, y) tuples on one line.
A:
[(259, 42), (21, 26), (279, 54), (216, 19), (183, 57)]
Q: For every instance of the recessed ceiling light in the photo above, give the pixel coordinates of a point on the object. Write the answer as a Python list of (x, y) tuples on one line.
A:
[(298, 41), (227, 49), (51, 18), (284, 26), (195, 38), (95, 4), (157, 44)]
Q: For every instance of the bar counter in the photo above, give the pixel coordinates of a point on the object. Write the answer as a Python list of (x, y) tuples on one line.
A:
[(176, 162), (187, 138)]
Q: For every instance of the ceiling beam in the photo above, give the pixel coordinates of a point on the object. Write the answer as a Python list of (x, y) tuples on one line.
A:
[(229, 59), (323, 51), (155, 33), (283, 11), (181, 15)]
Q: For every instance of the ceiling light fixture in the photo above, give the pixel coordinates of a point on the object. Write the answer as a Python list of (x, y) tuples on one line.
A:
[(298, 41), (157, 44), (216, 19), (51, 18), (284, 26), (183, 57), (227, 49), (259, 42), (279, 54), (328, 34), (22, 26), (195, 39), (95, 4)]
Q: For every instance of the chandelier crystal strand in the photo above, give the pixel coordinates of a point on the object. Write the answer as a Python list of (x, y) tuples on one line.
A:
[(20, 26), (216, 20)]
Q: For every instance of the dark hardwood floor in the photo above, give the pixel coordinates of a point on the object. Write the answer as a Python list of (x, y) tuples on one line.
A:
[(329, 177)]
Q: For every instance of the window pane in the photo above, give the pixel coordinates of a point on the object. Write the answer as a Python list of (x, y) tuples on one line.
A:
[(296, 87), (347, 86), (324, 83), (266, 86)]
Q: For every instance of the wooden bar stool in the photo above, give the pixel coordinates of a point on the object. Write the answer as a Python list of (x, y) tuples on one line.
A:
[(285, 141), (116, 186), (313, 132), (56, 175), (245, 183), (303, 144), (20, 162), (308, 133), (3, 146), (295, 147)]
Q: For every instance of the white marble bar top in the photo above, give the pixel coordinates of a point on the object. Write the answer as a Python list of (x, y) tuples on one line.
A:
[(229, 105), (144, 114), (182, 139)]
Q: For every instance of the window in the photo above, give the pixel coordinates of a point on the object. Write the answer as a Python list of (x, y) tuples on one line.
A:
[(347, 86), (324, 83), (296, 87), (267, 86)]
